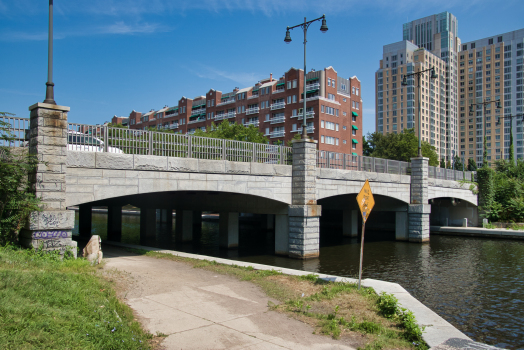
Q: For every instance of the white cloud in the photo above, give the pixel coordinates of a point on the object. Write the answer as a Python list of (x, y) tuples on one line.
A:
[(117, 28), (242, 78)]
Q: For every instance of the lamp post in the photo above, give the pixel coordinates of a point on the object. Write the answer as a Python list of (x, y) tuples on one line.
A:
[(50, 93), (485, 146), (510, 117), (405, 83), (305, 26)]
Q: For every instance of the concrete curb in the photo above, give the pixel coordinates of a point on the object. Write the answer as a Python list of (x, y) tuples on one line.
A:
[(437, 329)]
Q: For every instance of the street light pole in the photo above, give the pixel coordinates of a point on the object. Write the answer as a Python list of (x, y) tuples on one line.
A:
[(49, 93), (405, 83), (485, 145), (305, 26)]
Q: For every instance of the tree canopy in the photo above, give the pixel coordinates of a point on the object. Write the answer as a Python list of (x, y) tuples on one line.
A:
[(233, 131), (402, 146)]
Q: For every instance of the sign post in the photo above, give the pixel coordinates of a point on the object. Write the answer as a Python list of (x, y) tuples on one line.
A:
[(365, 202)]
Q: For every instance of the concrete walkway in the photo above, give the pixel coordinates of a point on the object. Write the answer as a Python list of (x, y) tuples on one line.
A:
[(198, 309), (477, 232)]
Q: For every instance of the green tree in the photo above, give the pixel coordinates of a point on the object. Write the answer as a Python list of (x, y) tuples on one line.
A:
[(233, 131), (472, 165), (366, 147), (448, 164), (458, 163), (16, 199), (296, 137), (442, 163), (402, 146)]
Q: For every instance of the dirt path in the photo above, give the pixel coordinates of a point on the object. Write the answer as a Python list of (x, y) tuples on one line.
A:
[(198, 309)]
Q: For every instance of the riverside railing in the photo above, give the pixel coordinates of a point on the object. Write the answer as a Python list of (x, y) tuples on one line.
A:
[(334, 160), (450, 174), (127, 141), (18, 128)]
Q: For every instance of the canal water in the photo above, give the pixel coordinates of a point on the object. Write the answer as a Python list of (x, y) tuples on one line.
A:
[(476, 284)]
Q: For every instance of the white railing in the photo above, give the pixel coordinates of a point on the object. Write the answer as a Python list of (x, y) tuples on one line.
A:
[(277, 120), (225, 115), (278, 105), (312, 98), (255, 123), (171, 115), (278, 91), (313, 86), (198, 120), (173, 126), (231, 100), (309, 115), (198, 111), (279, 133), (253, 110), (310, 129), (252, 96)]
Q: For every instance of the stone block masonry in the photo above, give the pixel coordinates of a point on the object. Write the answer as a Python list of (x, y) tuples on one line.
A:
[(304, 213), (51, 228), (419, 209)]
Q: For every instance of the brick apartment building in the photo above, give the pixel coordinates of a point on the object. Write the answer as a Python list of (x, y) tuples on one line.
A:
[(333, 110)]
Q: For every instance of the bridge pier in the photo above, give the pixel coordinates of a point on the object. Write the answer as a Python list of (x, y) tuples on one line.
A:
[(282, 235), (349, 222), (147, 225), (51, 228), (197, 223), (304, 213), (184, 225), (401, 226), (114, 223), (228, 230), (419, 210), (85, 213)]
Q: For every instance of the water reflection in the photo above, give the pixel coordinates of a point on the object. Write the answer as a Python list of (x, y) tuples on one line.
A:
[(475, 284)]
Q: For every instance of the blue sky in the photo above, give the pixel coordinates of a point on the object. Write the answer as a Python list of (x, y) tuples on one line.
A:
[(113, 56)]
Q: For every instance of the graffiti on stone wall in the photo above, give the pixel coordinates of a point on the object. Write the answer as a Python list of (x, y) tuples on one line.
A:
[(50, 234)]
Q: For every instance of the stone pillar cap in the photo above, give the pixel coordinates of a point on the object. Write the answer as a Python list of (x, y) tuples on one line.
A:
[(49, 106)]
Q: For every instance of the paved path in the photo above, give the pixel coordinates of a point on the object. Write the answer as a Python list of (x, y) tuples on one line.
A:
[(198, 309)]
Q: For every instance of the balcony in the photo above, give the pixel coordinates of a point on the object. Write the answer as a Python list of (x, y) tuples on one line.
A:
[(173, 126), (231, 100), (313, 98), (275, 134), (279, 105), (225, 115), (277, 120), (198, 120), (278, 91), (198, 111), (310, 129), (252, 96), (314, 86), (253, 110), (309, 115), (255, 123)]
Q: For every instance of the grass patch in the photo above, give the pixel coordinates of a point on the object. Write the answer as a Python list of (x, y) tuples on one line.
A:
[(340, 310), (53, 303)]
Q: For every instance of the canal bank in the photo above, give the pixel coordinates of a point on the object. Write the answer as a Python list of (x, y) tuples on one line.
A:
[(477, 232), (476, 284), (437, 330)]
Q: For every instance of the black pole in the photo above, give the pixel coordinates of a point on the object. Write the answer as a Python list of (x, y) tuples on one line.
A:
[(49, 93)]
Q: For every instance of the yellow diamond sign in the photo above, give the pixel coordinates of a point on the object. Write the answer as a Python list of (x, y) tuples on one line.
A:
[(365, 201)]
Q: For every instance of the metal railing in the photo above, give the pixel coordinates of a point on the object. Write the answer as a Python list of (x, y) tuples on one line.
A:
[(279, 105), (255, 123), (226, 101), (334, 160), (225, 115), (313, 86), (18, 128), (252, 110), (310, 129), (277, 120), (116, 140), (279, 133), (449, 174), (309, 115)]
